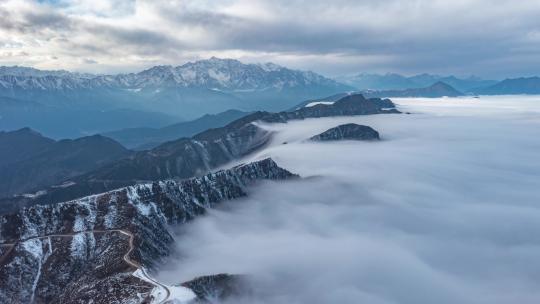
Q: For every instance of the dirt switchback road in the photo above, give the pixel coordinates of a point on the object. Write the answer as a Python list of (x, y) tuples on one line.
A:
[(126, 256)]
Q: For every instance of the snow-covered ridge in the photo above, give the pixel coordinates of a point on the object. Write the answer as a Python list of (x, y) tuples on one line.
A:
[(216, 73), (193, 193), (89, 253), (311, 104)]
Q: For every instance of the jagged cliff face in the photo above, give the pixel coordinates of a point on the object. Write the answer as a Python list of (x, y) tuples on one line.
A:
[(87, 249)]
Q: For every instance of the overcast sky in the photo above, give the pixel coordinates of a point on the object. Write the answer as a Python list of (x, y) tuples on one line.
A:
[(490, 38)]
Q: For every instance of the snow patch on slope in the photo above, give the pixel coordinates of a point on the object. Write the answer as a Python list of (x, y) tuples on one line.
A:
[(311, 104), (166, 293)]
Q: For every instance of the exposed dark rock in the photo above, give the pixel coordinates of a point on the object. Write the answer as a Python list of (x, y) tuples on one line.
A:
[(348, 131), (75, 251), (332, 98), (218, 287), (355, 104)]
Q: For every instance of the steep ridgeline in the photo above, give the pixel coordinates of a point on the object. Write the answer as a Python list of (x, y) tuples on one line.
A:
[(148, 138), (523, 85), (97, 248), (21, 144), (194, 156), (31, 161), (349, 131)]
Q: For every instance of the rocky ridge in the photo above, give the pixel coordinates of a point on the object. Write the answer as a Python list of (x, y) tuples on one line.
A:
[(88, 249), (348, 131)]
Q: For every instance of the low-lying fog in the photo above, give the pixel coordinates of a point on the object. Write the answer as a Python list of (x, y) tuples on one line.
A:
[(444, 209)]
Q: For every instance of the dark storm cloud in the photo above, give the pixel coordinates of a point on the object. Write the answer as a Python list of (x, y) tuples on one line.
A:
[(419, 37), (143, 39), (49, 20), (343, 36), (33, 21)]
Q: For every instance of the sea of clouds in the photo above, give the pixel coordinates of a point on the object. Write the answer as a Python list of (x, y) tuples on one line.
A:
[(444, 209)]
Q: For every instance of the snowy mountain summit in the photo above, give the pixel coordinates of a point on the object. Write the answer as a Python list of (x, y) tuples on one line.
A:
[(213, 73), (229, 74), (190, 90)]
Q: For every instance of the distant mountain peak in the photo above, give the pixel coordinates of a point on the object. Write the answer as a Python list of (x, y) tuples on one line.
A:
[(441, 84), (218, 59), (522, 85), (438, 89), (157, 68), (212, 61), (21, 131), (212, 73), (188, 91), (270, 67), (394, 81)]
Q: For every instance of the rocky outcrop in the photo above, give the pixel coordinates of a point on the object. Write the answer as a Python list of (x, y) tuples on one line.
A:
[(348, 132), (87, 249), (218, 287)]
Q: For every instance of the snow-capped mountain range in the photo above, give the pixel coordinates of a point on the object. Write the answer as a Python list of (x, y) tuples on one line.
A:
[(187, 91), (214, 73)]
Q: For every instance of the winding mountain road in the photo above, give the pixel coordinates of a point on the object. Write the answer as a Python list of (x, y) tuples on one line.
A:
[(126, 257)]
